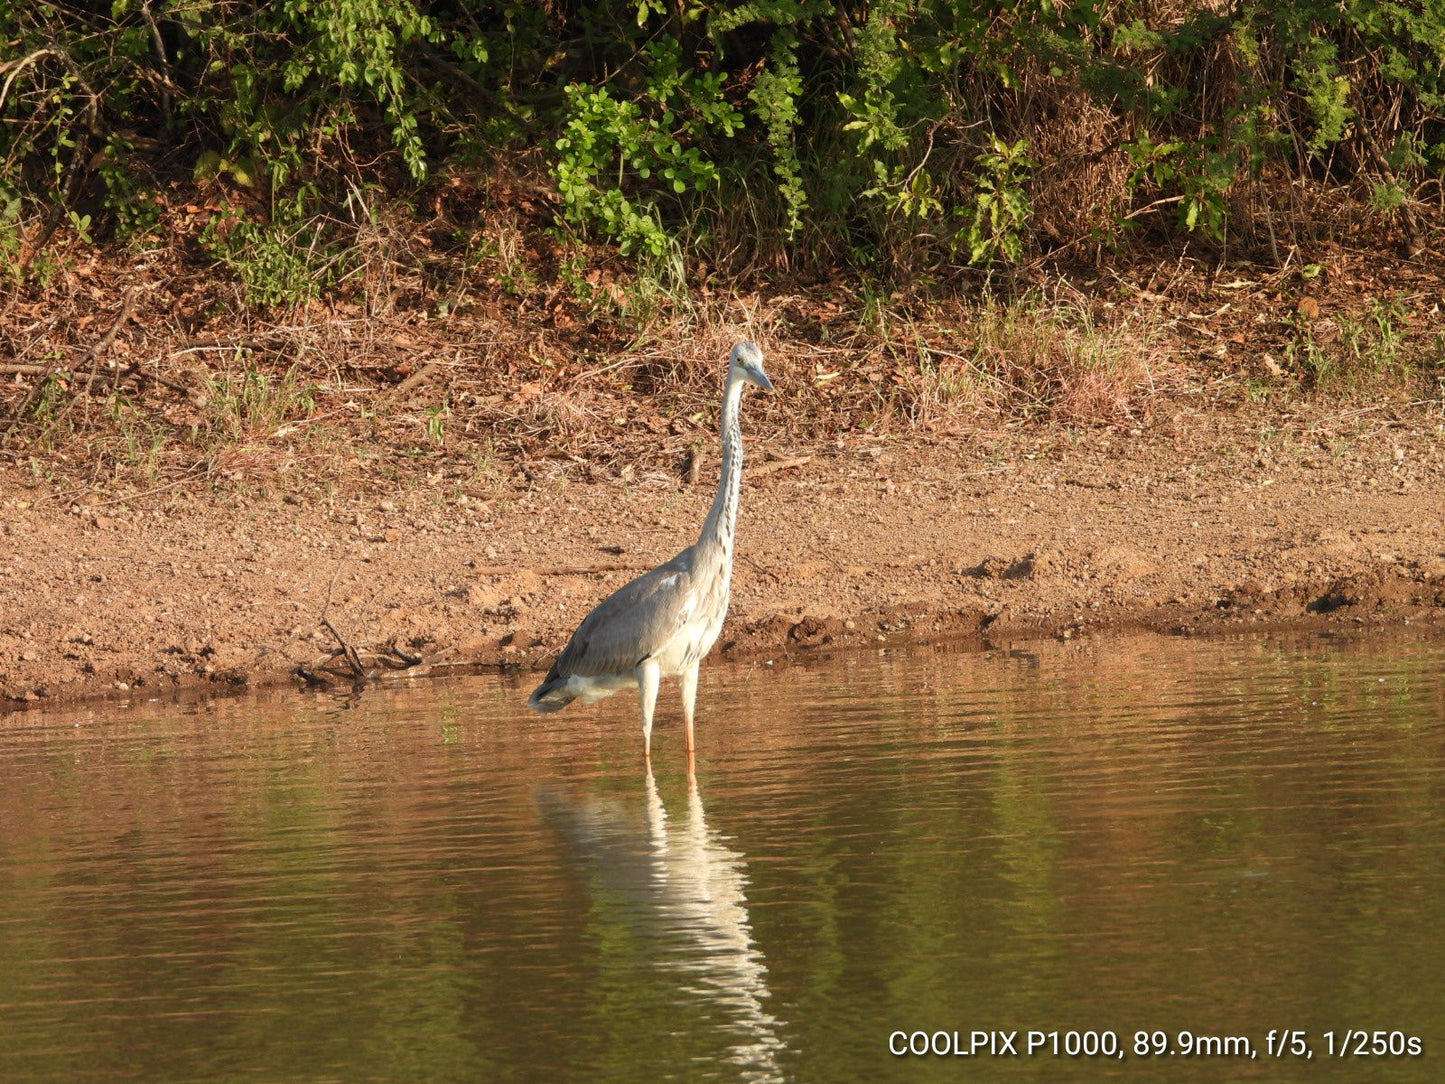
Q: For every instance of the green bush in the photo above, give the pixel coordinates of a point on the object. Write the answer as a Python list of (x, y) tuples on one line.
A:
[(652, 144), (913, 133), (280, 262)]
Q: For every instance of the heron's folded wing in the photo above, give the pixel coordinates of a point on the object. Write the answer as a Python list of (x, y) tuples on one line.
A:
[(631, 624)]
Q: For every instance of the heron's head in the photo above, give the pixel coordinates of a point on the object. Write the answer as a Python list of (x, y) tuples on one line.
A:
[(746, 362)]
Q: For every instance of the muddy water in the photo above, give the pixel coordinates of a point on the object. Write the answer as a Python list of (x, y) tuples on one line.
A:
[(1200, 842)]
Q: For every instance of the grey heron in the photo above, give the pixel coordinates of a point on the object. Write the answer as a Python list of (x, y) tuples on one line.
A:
[(664, 622)]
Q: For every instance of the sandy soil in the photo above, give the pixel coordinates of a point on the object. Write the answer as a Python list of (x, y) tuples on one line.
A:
[(1204, 522)]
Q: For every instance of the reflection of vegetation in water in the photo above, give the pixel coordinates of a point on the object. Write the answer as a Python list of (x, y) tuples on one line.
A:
[(1128, 848), (1125, 834)]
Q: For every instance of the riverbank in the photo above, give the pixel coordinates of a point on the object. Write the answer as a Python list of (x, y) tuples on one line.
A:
[(1204, 521)]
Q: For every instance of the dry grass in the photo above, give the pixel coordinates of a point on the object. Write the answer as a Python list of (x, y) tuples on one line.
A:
[(1081, 187), (511, 352), (1056, 360)]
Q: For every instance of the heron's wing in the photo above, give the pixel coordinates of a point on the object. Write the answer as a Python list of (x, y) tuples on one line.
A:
[(634, 622)]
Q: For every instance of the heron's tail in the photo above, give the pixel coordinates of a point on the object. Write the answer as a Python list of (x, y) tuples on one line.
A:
[(551, 695)]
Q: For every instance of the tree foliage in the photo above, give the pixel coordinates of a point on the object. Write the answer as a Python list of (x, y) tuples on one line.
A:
[(912, 133)]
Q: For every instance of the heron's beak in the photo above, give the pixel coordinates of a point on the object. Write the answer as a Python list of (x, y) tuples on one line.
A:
[(763, 381)]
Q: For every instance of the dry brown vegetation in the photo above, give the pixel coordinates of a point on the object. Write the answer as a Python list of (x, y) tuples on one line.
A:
[(134, 368)]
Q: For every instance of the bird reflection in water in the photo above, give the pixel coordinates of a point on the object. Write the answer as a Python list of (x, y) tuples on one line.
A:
[(679, 890)]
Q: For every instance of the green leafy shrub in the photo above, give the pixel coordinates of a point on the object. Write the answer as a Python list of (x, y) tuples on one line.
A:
[(620, 160), (884, 133), (1001, 208), (282, 262)]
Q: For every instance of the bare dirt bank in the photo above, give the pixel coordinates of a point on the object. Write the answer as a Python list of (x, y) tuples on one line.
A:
[(1205, 522)]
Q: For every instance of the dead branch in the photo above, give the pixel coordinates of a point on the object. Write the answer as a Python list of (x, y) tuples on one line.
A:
[(167, 86), (421, 376), (115, 376), (80, 151), (407, 658), (348, 652), (390, 659), (15, 67), (92, 356), (190, 476), (127, 305), (1414, 238)]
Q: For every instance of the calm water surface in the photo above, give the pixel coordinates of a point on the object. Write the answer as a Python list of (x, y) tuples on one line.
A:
[(1219, 838)]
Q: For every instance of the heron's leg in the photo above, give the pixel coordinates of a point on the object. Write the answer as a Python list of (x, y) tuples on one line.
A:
[(656, 816), (689, 698), (649, 676)]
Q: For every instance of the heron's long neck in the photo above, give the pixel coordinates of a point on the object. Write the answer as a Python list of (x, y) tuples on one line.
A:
[(717, 530)]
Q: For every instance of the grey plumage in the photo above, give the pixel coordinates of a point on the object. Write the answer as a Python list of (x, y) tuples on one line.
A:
[(664, 622)]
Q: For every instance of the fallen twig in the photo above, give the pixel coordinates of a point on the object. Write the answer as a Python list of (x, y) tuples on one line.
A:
[(191, 477), (1342, 415), (406, 657), (390, 659), (759, 567), (780, 464), (93, 354), (557, 570), (348, 652), (421, 376)]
